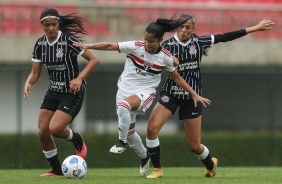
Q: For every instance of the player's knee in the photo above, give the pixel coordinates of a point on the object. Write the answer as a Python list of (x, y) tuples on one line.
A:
[(123, 107), (152, 132)]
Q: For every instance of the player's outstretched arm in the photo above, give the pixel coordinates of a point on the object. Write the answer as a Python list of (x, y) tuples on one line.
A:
[(263, 25), (97, 46)]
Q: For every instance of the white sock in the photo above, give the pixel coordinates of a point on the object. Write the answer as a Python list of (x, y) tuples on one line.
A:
[(124, 119), (70, 135), (135, 143), (152, 143), (205, 153), (51, 153)]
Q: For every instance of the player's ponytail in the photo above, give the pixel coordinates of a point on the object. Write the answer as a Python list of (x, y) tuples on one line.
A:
[(162, 26), (71, 23)]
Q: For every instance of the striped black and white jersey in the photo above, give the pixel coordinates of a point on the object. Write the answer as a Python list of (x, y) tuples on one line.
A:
[(190, 56), (60, 60)]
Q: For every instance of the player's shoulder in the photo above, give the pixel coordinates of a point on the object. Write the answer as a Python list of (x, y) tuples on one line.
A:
[(196, 38), (170, 41), (69, 37), (139, 43), (166, 52), (41, 41)]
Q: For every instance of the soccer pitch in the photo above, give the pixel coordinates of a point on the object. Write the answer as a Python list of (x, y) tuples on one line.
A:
[(178, 175)]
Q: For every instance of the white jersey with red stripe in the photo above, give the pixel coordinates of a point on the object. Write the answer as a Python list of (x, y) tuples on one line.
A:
[(142, 70)]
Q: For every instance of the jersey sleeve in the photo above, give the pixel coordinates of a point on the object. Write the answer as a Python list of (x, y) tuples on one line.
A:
[(77, 50), (126, 47), (37, 52), (169, 64), (206, 41)]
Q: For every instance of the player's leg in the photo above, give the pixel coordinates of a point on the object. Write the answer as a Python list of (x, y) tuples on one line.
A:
[(193, 134), (67, 110), (158, 117), (124, 108), (134, 140), (47, 110), (135, 143), (47, 143)]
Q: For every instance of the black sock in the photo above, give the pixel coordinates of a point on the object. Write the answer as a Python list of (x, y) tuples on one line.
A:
[(155, 156), (77, 141), (208, 162), (55, 164)]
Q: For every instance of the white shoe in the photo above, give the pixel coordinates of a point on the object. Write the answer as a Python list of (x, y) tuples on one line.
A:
[(119, 148), (145, 166)]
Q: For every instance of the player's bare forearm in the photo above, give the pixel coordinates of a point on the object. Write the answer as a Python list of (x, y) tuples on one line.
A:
[(97, 46), (263, 25), (182, 83)]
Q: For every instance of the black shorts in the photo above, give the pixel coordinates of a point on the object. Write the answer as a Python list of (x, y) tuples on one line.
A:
[(66, 102), (187, 110)]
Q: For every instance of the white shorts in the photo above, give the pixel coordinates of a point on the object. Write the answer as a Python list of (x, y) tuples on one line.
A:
[(145, 97)]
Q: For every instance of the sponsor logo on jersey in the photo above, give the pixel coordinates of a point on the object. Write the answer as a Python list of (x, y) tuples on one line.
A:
[(139, 71), (195, 39), (59, 53), (42, 43), (62, 43), (173, 43)]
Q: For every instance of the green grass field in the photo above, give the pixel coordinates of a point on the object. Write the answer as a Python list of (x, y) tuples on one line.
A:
[(178, 175)]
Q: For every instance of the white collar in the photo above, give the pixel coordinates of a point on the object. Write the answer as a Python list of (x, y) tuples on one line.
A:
[(58, 36), (181, 43)]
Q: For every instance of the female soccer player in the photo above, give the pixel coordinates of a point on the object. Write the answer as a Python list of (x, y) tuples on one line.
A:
[(145, 60), (64, 97), (189, 48)]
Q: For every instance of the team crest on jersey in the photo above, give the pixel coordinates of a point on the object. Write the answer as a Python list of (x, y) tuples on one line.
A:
[(165, 99), (192, 49), (59, 53), (148, 64)]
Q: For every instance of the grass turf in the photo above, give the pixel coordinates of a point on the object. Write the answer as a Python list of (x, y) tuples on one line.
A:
[(234, 175)]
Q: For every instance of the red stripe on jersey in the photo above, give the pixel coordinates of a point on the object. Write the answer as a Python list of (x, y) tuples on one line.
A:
[(124, 104), (166, 52), (139, 43), (141, 62), (148, 100)]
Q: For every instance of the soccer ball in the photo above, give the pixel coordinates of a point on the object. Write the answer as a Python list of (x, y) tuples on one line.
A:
[(74, 166)]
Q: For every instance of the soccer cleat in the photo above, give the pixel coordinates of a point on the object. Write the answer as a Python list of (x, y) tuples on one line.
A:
[(145, 165), (211, 173), (157, 173), (83, 152), (52, 173), (118, 148)]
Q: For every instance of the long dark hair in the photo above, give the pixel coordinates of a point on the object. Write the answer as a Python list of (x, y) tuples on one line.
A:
[(161, 26), (70, 23)]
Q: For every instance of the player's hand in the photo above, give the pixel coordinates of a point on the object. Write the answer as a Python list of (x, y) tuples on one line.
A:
[(26, 90), (265, 25), (175, 61), (80, 45), (75, 85), (202, 100)]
